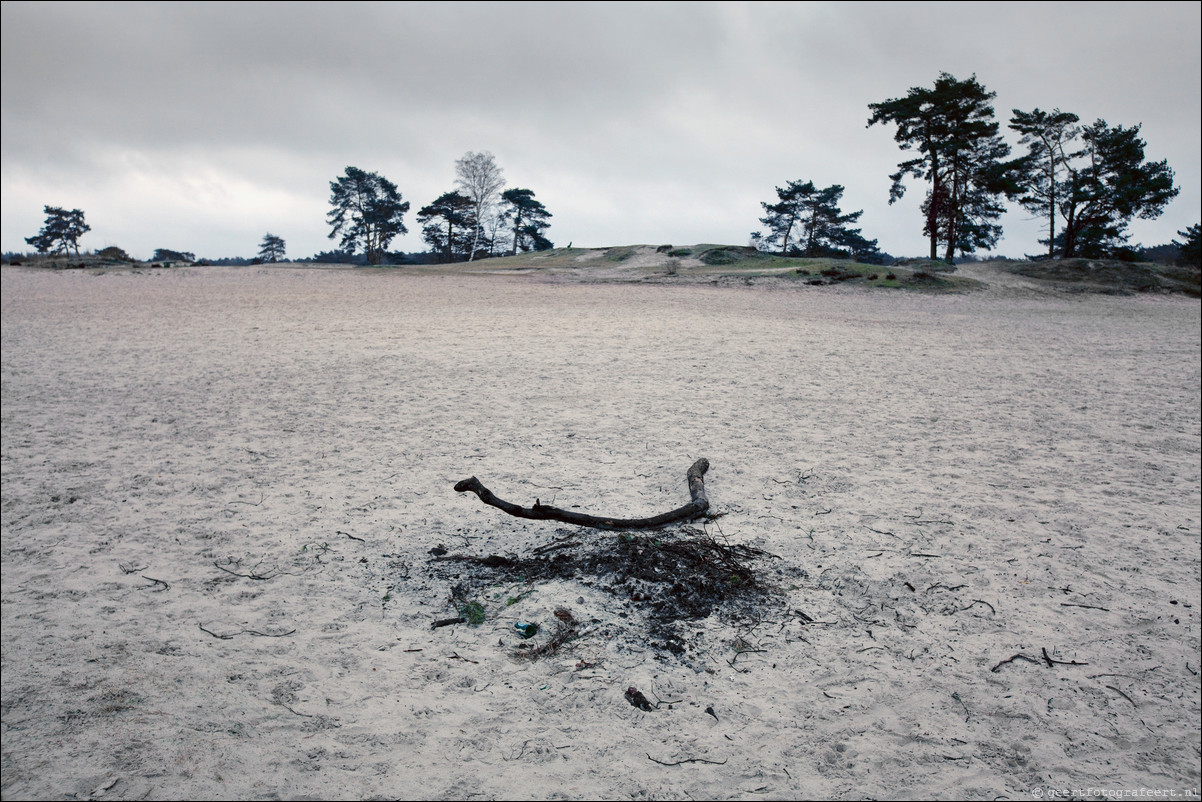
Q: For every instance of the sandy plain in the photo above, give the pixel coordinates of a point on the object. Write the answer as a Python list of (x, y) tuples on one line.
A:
[(221, 486)]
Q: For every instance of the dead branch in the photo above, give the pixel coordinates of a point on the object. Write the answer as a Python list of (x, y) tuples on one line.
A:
[(542, 512)]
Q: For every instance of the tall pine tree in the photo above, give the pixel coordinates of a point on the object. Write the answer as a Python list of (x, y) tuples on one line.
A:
[(526, 219), (449, 226), (1048, 137), (952, 126), (1107, 185), (367, 211)]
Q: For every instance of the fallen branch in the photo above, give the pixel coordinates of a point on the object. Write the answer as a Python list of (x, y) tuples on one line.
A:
[(542, 512)]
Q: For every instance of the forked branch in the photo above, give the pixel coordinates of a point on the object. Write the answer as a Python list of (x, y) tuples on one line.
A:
[(543, 512)]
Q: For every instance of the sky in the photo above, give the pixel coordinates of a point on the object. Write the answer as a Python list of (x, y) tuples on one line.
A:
[(202, 126)]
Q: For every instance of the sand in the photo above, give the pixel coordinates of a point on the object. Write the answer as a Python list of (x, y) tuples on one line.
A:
[(221, 486)]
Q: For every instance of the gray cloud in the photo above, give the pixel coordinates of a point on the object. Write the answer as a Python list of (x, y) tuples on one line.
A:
[(201, 126)]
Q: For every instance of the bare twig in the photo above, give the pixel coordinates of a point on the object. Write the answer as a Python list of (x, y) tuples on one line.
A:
[(1052, 662), (979, 601), (254, 572), (1086, 606), (245, 631), (157, 583), (1125, 696), (269, 634), (214, 634), (686, 760), (1018, 656)]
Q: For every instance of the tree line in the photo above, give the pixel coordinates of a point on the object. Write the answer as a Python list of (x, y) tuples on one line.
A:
[(1086, 182), (1091, 179), (477, 219)]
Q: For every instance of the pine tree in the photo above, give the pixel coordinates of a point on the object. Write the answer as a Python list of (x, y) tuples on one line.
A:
[(449, 226), (1108, 184), (367, 211), (1047, 136), (527, 219), (60, 232), (953, 128), (1191, 249), (272, 248), (806, 221)]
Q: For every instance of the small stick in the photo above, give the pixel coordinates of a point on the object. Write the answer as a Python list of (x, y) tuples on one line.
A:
[(156, 583), (979, 601), (1125, 696), (686, 760), (214, 634), (1086, 606), (1019, 656), (268, 634), (1052, 662), (446, 622)]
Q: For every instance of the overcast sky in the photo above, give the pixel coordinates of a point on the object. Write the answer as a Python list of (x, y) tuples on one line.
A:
[(200, 127)]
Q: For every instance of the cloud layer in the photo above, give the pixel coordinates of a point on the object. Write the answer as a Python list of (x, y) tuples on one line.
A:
[(202, 126)]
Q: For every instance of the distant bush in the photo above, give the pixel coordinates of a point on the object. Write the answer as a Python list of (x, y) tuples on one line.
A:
[(168, 255), (114, 254)]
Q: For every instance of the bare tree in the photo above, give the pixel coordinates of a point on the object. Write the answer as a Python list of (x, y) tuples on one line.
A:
[(481, 180)]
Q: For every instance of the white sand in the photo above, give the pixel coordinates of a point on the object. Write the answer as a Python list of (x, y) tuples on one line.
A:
[(949, 481)]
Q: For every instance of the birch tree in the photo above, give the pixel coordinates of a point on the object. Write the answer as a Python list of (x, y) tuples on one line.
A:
[(481, 180)]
